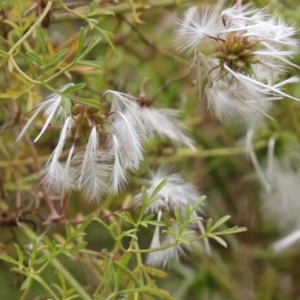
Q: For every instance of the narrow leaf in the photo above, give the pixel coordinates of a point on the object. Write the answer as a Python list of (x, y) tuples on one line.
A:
[(93, 6), (74, 88), (87, 102), (157, 190), (77, 247), (50, 244), (91, 63), (86, 223), (220, 222), (20, 256), (35, 58), (40, 260), (219, 240), (93, 43), (155, 272), (81, 39), (231, 230), (34, 250), (41, 40), (26, 283), (12, 24), (8, 259), (57, 57), (208, 226), (68, 231), (101, 13)]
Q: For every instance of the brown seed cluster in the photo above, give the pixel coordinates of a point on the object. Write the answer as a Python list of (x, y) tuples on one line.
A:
[(236, 52), (85, 118)]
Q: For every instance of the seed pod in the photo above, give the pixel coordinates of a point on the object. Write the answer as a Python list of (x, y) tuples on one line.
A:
[(237, 47), (78, 108), (239, 63)]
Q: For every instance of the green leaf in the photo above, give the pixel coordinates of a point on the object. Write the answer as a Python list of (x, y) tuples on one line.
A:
[(154, 194), (107, 35), (86, 223), (74, 88), (101, 13), (3, 53), (51, 245), (208, 226), (57, 57), (144, 197), (81, 39), (37, 277), (131, 235), (77, 247), (193, 220), (93, 43), (41, 39), (40, 260), (148, 217), (231, 230), (34, 250), (198, 202), (26, 283), (35, 58), (78, 234), (91, 63), (12, 24), (155, 272), (183, 241), (220, 222), (68, 231), (92, 22), (28, 21), (87, 102), (219, 240), (9, 259), (20, 256), (93, 6), (155, 223), (126, 217), (177, 214), (133, 230)]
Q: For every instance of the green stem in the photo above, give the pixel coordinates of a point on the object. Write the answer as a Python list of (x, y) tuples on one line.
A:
[(180, 154), (72, 11), (47, 288), (32, 28), (59, 72), (127, 272), (60, 268), (11, 59), (200, 237)]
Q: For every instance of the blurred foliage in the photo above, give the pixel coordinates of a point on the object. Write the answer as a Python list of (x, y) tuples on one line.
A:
[(129, 46)]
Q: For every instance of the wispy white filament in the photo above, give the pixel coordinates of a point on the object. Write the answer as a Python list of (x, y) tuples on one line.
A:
[(164, 122), (287, 241), (52, 108), (56, 177), (129, 141), (118, 177)]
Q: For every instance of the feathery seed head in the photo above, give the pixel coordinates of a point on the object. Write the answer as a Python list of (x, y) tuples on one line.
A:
[(249, 51)]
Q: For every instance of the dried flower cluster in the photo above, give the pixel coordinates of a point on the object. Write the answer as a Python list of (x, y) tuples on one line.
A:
[(114, 141)]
